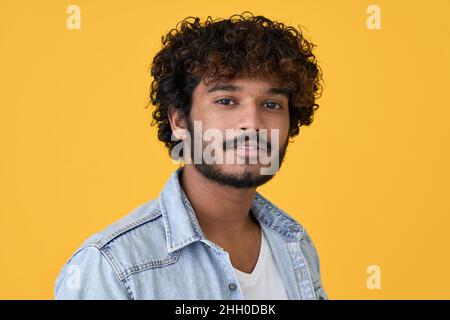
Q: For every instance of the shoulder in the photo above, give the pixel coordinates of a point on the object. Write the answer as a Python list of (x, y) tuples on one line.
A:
[(132, 244), (141, 218)]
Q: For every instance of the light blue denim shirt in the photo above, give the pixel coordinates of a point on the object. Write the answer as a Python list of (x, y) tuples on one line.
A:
[(158, 251)]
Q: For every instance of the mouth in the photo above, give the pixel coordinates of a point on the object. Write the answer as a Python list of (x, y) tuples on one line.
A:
[(247, 147), (248, 150), (250, 147)]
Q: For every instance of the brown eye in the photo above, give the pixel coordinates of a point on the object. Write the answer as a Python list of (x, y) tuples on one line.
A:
[(273, 105), (226, 101)]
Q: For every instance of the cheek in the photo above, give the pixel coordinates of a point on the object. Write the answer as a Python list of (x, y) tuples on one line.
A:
[(208, 118), (282, 136), (282, 125), (285, 127)]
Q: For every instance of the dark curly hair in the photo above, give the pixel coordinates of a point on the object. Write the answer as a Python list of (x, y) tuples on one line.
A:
[(225, 48)]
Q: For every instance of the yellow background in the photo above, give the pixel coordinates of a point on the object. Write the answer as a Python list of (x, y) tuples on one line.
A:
[(369, 178)]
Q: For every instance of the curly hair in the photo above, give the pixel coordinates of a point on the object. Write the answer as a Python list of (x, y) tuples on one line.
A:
[(224, 49)]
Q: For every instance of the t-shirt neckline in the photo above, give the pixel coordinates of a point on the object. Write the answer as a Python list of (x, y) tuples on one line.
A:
[(251, 278)]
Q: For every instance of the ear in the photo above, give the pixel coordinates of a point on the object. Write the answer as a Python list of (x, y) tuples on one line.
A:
[(177, 121)]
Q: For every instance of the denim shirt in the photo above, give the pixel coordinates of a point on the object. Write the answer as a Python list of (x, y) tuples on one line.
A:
[(159, 251)]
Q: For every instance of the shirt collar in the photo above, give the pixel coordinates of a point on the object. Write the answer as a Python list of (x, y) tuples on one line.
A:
[(182, 227)]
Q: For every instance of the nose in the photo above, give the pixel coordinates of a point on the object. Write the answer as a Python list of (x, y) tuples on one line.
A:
[(250, 117)]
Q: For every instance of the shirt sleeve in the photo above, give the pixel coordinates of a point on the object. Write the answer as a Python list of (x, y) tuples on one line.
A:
[(89, 275)]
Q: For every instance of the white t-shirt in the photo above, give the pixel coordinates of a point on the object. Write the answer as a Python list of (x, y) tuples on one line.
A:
[(264, 283)]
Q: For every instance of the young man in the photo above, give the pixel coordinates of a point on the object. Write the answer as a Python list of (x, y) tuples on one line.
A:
[(228, 95)]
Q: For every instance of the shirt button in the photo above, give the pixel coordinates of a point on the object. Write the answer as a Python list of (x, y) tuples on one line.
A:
[(232, 286)]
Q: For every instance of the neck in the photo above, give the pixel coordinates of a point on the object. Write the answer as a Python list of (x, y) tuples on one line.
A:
[(222, 211)]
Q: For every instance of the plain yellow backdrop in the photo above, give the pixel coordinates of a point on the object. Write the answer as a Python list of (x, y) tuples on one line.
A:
[(369, 178)]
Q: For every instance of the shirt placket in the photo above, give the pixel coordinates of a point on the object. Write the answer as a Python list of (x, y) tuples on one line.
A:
[(230, 281)]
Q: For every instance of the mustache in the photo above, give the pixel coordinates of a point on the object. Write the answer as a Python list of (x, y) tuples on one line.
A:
[(241, 140)]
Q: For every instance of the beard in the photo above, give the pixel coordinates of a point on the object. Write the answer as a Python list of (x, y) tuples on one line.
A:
[(247, 179)]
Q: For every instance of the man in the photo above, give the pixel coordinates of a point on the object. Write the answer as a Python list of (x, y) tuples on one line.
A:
[(228, 95)]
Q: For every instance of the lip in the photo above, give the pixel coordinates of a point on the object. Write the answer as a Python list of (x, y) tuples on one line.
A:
[(250, 145), (247, 147), (251, 148), (246, 152)]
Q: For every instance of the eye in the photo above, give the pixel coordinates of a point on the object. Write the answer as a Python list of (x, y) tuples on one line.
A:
[(225, 102), (273, 105)]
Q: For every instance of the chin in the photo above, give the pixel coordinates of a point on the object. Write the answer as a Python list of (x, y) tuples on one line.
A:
[(237, 176), (241, 169)]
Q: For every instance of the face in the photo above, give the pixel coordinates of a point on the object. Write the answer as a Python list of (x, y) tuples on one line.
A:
[(238, 110)]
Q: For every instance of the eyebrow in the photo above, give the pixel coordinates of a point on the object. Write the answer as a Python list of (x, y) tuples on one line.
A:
[(234, 88)]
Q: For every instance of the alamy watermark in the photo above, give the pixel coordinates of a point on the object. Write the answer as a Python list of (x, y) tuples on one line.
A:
[(210, 147)]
